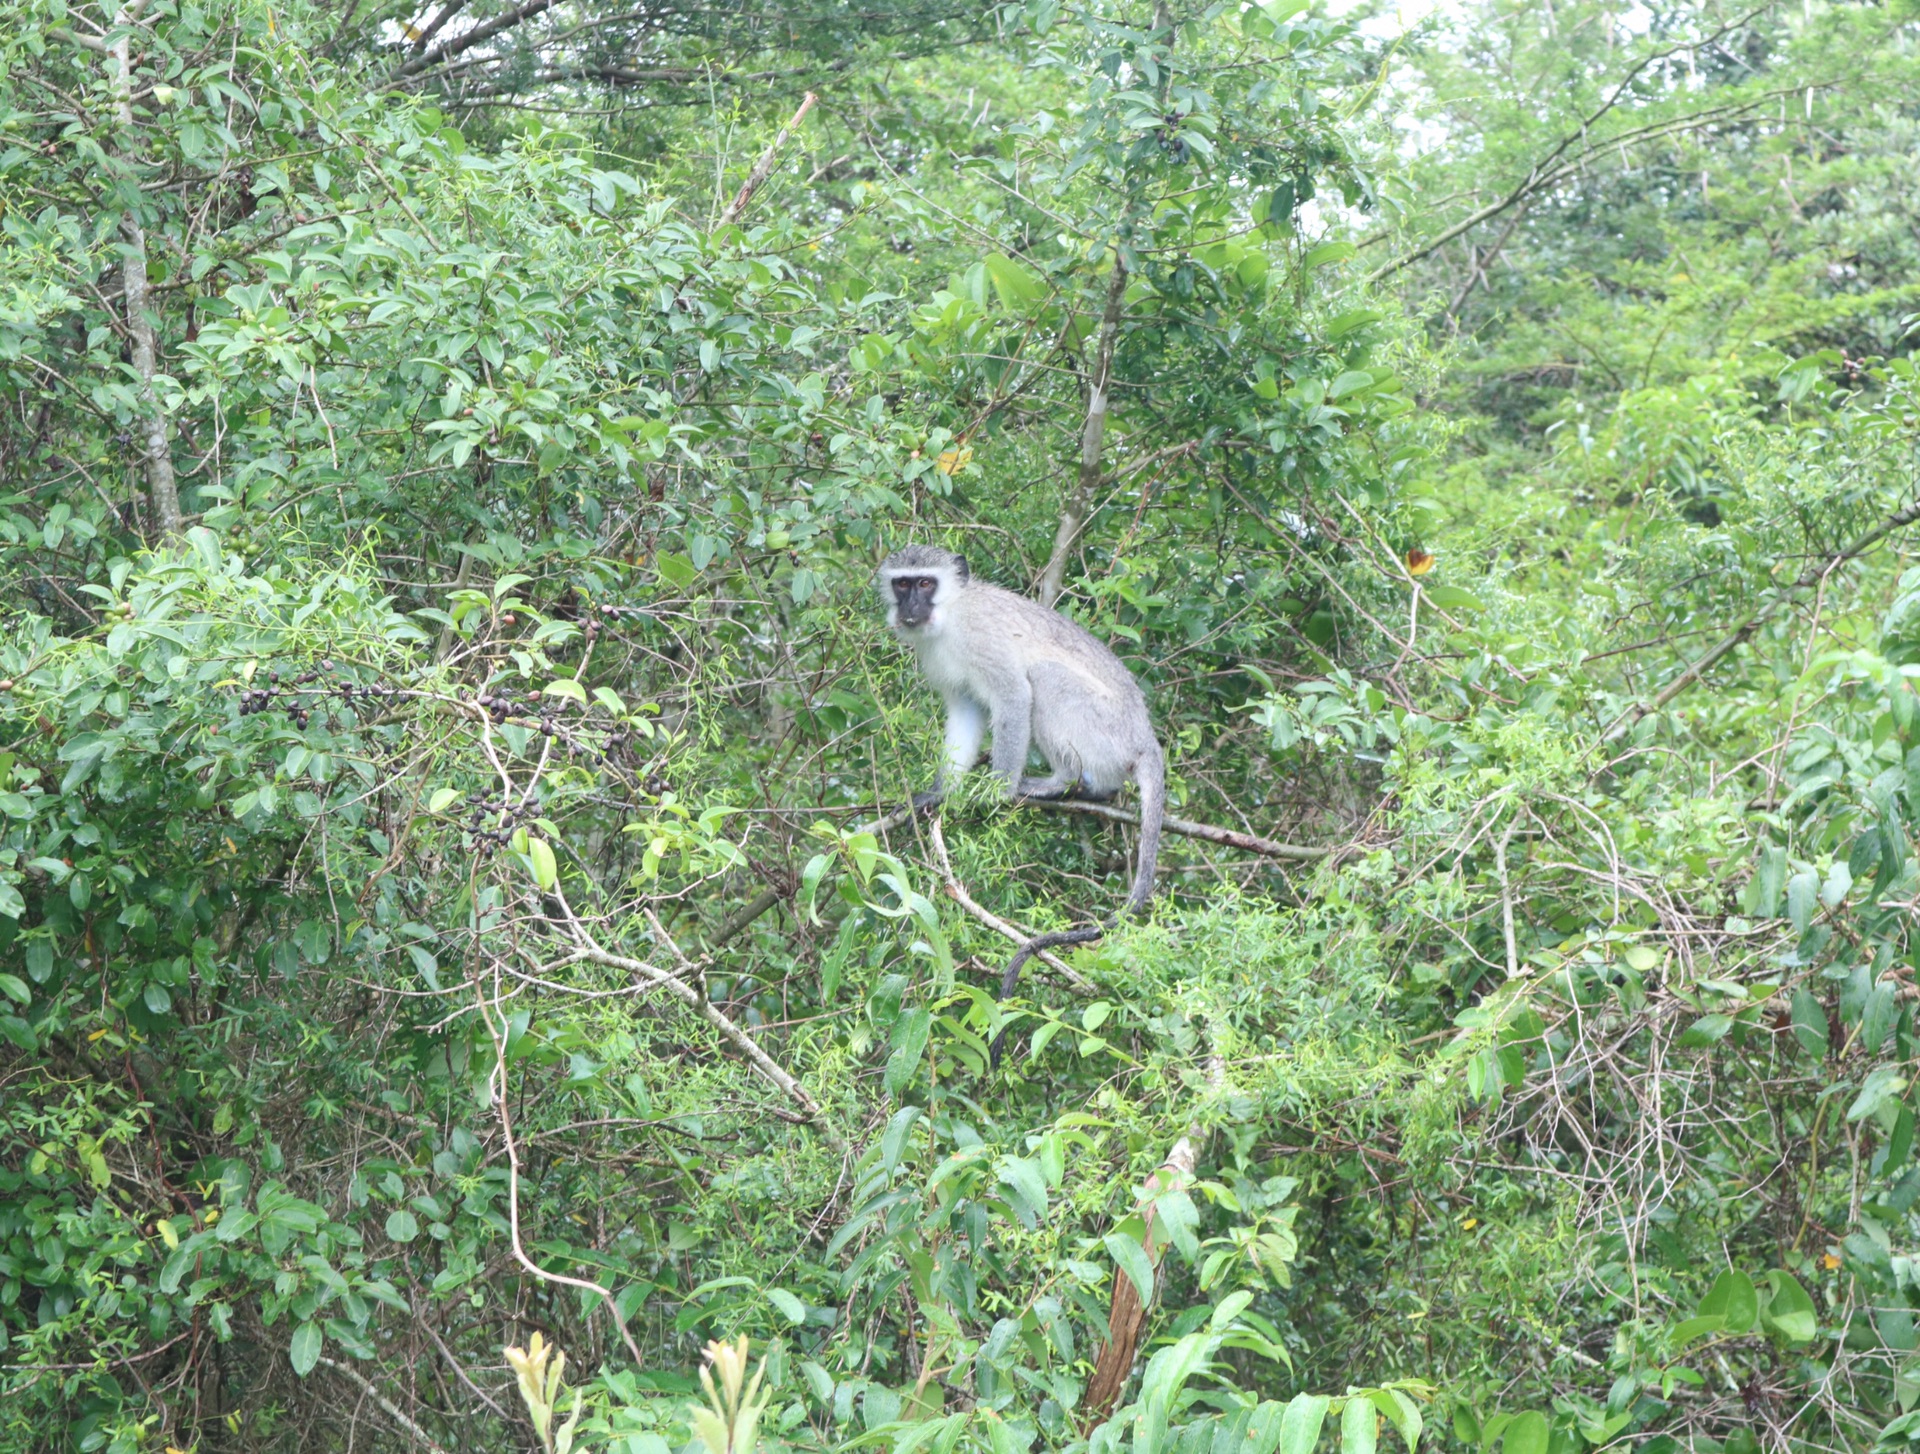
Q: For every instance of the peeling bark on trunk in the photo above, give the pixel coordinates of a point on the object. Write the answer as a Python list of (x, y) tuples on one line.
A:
[(163, 491), (1113, 1361), (1079, 501)]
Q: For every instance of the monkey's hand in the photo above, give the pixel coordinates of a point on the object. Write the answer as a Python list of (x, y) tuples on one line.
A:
[(932, 798)]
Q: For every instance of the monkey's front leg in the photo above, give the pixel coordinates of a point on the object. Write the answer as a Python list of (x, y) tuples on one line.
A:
[(1012, 735), (966, 729)]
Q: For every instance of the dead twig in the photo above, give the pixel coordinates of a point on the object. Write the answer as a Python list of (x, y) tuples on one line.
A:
[(764, 167)]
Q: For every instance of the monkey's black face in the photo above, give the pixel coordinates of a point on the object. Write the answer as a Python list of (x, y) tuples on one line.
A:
[(913, 599)]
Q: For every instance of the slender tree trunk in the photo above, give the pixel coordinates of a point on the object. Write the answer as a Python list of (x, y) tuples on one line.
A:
[(1093, 435), (163, 491)]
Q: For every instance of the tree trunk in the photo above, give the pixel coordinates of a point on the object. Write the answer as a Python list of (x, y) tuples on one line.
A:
[(163, 491)]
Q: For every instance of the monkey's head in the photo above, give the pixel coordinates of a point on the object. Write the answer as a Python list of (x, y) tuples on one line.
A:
[(917, 578)]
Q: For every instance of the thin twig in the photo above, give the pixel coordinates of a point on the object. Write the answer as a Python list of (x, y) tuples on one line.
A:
[(587, 949), (1811, 576), (1073, 513), (504, 1094), (353, 1375), (957, 891)]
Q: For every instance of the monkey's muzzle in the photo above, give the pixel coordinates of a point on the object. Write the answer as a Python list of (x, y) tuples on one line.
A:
[(913, 600)]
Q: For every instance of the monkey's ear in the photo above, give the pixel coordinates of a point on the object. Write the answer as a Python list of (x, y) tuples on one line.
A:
[(960, 566)]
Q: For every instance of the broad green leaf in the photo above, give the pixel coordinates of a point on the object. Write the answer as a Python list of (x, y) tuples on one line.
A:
[(910, 1034), (304, 1348), (1131, 1258), (1733, 1299), (1883, 1085), (1527, 1434), (1453, 598), (1809, 1023), (1015, 285), (1300, 1427), (546, 872), (1789, 1311), (1360, 1426)]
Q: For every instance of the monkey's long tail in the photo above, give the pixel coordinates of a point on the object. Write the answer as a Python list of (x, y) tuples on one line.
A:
[(1150, 773), (1010, 981)]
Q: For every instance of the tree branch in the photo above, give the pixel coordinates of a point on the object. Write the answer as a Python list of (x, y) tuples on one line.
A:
[(763, 167), (1226, 837), (957, 891), (392, 1411), (163, 489), (1079, 501), (587, 949), (1545, 172), (440, 54), (1811, 576)]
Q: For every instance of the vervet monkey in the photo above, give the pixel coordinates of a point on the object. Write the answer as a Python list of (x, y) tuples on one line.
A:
[(1009, 666)]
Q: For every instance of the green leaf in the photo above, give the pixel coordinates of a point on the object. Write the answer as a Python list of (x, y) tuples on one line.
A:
[(15, 988), (304, 1349), (441, 798), (1360, 1427), (1015, 286), (1029, 1186), (1705, 1031), (1732, 1298), (1809, 1023), (1402, 1413), (1175, 1215), (1452, 598), (1353, 318), (1527, 1434), (1300, 1426), (1877, 1017), (1789, 1312), (910, 1033), (1329, 252), (566, 687), (1882, 1085), (790, 1306), (546, 872), (1131, 1258), (1686, 1331), (402, 1225), (1803, 897)]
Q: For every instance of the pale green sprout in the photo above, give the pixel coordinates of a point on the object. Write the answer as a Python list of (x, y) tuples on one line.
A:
[(726, 1425), (538, 1367)]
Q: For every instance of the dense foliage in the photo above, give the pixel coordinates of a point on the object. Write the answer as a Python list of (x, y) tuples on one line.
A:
[(453, 893)]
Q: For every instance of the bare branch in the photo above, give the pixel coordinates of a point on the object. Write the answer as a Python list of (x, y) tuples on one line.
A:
[(391, 1409), (763, 167), (1811, 576), (1207, 832), (1079, 501), (440, 54), (957, 891)]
